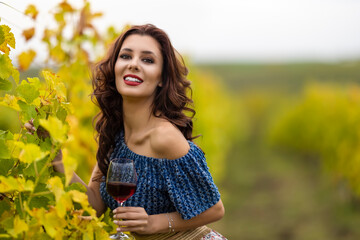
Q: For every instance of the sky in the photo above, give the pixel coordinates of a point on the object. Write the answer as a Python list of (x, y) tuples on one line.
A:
[(226, 30)]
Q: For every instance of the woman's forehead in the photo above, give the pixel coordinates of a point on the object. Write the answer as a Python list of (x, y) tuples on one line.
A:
[(141, 43)]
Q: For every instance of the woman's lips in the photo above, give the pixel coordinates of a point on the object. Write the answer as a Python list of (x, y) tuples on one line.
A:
[(132, 80)]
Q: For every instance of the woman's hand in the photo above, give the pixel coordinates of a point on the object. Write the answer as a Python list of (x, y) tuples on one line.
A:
[(133, 219)]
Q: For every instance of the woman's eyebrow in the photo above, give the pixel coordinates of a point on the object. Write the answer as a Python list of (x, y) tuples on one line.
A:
[(127, 50), (144, 52)]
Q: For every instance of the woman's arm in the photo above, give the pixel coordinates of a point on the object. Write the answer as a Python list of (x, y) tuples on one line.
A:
[(93, 188), (135, 219)]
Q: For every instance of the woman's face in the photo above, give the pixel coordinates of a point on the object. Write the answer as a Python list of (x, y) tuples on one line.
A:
[(138, 67)]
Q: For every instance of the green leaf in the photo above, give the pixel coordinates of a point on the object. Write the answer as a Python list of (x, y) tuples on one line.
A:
[(31, 138), (9, 135), (7, 221), (42, 114), (46, 145), (5, 205), (61, 114), (39, 202), (4, 151), (6, 67), (5, 85), (41, 187), (76, 186), (2, 36), (6, 165), (28, 91), (19, 205), (2, 134), (28, 111), (42, 236), (30, 170)]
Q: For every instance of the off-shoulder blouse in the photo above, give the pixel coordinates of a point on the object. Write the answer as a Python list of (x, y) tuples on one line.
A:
[(184, 185)]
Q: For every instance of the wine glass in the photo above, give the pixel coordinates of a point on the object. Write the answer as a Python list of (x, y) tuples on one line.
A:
[(121, 184)]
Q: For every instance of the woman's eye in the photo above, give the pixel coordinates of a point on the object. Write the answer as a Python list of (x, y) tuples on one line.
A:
[(148, 60), (124, 56)]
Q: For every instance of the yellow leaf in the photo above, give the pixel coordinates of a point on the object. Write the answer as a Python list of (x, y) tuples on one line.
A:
[(70, 165), (9, 40), (66, 7), (15, 147), (28, 33), (79, 197), (54, 224), (58, 131), (19, 227), (31, 153), (48, 34), (55, 185), (25, 59), (10, 184), (10, 101), (15, 74), (58, 54), (6, 67), (63, 204), (89, 233), (37, 213), (97, 14), (101, 234), (31, 11), (54, 82)]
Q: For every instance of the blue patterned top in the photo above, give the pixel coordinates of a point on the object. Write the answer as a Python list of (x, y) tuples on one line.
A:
[(184, 185)]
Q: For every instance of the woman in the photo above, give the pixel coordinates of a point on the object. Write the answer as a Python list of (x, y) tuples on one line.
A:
[(141, 89)]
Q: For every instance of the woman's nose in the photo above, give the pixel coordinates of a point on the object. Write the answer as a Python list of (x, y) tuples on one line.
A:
[(133, 65)]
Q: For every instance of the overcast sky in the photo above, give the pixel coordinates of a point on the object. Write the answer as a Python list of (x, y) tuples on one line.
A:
[(242, 30)]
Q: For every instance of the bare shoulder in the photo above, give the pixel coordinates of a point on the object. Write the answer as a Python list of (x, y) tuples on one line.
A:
[(168, 142)]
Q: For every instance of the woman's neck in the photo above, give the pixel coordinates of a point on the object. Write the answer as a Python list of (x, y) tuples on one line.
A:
[(138, 116)]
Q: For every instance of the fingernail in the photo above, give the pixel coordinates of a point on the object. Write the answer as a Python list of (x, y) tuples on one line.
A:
[(114, 211), (118, 229), (116, 222)]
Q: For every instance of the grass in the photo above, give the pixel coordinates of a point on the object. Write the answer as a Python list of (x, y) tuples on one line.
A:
[(288, 77), (270, 194)]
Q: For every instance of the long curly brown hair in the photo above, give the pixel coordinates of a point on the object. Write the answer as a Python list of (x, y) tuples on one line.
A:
[(171, 100)]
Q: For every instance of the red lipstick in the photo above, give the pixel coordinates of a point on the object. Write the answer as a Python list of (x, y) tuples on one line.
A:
[(132, 80)]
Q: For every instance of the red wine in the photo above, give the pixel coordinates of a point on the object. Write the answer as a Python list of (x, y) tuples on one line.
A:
[(120, 191)]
